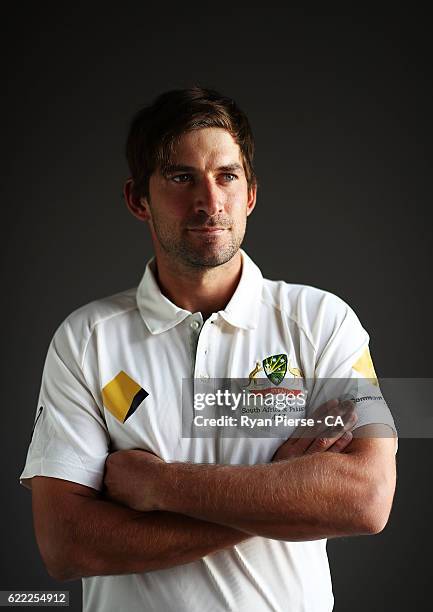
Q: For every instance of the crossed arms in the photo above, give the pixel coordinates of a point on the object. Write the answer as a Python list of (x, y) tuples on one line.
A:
[(154, 515)]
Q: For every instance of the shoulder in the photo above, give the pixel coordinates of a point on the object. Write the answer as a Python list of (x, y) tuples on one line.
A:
[(304, 302), (75, 330), (317, 312)]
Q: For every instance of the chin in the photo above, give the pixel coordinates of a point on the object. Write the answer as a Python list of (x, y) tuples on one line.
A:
[(214, 257)]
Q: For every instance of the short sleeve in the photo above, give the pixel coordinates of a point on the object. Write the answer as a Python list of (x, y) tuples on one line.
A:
[(344, 367), (70, 439)]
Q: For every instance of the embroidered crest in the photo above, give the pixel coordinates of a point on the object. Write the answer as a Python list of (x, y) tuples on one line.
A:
[(275, 367)]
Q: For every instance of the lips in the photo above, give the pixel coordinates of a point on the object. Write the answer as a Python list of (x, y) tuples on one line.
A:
[(209, 230)]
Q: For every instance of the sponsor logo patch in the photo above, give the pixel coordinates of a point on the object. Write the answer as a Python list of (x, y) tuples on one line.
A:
[(122, 396)]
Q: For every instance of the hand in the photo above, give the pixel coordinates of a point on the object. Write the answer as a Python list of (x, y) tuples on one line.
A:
[(321, 438), (131, 478)]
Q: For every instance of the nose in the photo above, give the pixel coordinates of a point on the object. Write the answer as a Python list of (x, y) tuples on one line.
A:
[(208, 198)]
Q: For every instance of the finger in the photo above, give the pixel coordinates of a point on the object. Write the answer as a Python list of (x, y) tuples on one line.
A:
[(303, 436), (331, 434), (342, 442), (285, 451), (321, 435), (338, 419)]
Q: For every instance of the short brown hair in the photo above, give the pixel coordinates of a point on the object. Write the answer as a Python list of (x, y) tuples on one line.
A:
[(155, 130)]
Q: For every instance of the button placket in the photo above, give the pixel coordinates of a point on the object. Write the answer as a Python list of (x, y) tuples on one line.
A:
[(201, 355), (200, 375), (202, 352)]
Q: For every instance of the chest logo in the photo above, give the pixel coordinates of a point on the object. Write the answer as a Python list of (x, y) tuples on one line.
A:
[(122, 396), (275, 368)]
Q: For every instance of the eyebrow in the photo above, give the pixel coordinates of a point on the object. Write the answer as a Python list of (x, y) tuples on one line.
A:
[(235, 167)]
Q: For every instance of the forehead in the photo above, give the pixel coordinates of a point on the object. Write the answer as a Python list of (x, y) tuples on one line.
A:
[(206, 146)]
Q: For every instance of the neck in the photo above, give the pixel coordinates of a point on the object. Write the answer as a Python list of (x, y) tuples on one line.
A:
[(204, 290)]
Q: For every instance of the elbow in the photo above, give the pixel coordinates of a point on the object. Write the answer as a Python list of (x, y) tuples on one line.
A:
[(58, 561), (373, 522), (62, 573), (376, 510)]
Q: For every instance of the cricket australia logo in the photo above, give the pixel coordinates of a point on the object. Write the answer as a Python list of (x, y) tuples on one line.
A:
[(275, 368)]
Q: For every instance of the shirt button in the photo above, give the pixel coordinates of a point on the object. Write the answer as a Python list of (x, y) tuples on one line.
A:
[(195, 324)]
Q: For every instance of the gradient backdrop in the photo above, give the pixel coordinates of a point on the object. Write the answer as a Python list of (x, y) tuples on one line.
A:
[(341, 111)]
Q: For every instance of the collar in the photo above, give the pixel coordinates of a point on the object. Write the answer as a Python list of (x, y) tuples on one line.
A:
[(160, 314)]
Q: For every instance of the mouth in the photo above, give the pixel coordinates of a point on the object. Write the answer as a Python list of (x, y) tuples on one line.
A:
[(208, 230)]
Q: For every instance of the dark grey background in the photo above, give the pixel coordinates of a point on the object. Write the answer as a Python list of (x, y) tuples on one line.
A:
[(341, 111)]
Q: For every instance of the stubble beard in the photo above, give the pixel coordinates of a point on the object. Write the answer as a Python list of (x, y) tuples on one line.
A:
[(210, 254)]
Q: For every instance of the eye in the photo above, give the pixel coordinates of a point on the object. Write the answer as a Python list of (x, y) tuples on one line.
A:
[(230, 177), (180, 178)]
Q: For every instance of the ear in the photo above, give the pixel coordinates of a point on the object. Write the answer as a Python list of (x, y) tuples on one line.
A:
[(138, 206), (252, 196)]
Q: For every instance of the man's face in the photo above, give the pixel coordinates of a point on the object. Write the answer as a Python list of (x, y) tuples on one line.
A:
[(197, 210)]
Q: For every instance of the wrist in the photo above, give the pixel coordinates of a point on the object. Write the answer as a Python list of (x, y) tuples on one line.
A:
[(165, 481), (148, 485)]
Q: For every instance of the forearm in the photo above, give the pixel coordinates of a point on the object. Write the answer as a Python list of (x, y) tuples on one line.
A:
[(104, 538), (309, 497)]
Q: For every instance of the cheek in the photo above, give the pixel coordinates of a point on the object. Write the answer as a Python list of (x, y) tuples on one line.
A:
[(237, 205), (239, 196), (170, 212), (177, 204)]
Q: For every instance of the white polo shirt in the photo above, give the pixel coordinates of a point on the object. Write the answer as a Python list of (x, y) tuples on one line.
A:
[(113, 380)]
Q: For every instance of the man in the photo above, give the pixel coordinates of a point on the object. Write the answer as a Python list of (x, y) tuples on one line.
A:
[(152, 519)]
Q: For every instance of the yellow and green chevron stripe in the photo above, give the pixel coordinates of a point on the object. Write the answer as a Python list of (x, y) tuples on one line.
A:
[(364, 365), (122, 396)]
